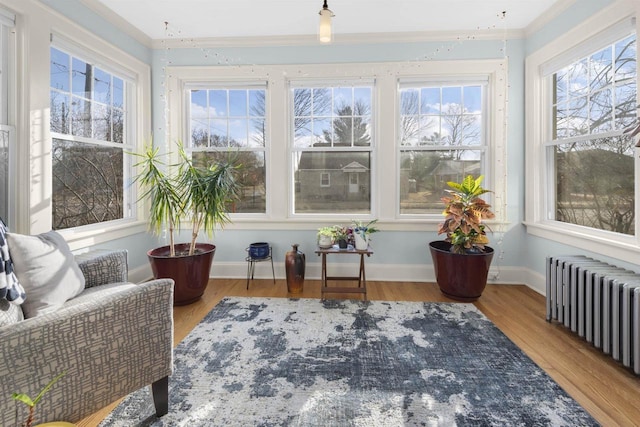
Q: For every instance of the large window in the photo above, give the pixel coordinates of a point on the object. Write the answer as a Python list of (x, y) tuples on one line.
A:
[(91, 126), (441, 139), (7, 128), (593, 100), (229, 123), (332, 148)]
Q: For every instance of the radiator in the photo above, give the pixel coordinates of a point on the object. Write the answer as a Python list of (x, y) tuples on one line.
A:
[(599, 302)]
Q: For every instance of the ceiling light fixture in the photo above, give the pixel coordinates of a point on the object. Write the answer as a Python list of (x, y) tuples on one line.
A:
[(324, 31)]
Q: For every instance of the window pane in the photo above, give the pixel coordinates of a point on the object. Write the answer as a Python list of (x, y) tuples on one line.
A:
[(257, 133), (348, 175), (80, 117), (199, 133), (321, 102), (101, 116), (118, 92), (424, 176), (251, 175), (199, 103), (4, 175), (257, 103), (238, 103), (238, 132), (625, 54), (81, 78), (595, 184), (218, 102), (600, 73), (102, 86), (60, 113), (60, 70), (118, 122), (87, 184), (342, 101), (431, 100)]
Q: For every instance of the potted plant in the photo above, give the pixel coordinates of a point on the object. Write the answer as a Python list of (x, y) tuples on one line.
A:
[(341, 235), (325, 237), (462, 260), (361, 233), (195, 193), (31, 403)]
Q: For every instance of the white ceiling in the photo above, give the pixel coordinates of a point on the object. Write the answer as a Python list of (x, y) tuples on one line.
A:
[(264, 18)]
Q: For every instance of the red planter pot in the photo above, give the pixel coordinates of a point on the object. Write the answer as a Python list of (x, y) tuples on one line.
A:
[(462, 277), (189, 272)]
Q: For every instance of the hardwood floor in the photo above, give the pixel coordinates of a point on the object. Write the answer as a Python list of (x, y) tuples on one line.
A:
[(608, 391)]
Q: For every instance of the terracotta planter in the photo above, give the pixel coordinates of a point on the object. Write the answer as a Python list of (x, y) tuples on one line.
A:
[(462, 277), (189, 272)]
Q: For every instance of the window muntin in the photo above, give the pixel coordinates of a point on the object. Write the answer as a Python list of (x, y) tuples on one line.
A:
[(89, 124), (224, 119), (593, 100), (332, 148), (441, 138)]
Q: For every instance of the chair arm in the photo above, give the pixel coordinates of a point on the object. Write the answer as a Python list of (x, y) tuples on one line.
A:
[(108, 347), (101, 267)]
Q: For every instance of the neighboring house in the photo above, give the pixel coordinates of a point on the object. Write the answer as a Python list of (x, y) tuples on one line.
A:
[(333, 176), (455, 170)]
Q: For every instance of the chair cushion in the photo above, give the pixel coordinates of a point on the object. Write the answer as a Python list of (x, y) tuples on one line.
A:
[(9, 313), (46, 269)]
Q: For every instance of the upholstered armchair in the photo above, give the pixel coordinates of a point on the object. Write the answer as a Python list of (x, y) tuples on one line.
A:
[(110, 340)]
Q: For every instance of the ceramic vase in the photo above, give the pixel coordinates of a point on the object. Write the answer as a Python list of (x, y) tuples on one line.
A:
[(361, 243), (294, 262), (324, 241)]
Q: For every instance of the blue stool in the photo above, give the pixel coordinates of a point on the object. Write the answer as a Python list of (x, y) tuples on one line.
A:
[(258, 252)]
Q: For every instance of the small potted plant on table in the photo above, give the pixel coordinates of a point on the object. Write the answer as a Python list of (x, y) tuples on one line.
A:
[(361, 233)]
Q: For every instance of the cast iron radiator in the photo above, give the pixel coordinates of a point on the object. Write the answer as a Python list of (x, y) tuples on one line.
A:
[(599, 302)]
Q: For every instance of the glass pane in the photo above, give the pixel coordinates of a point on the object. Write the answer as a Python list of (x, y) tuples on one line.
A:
[(431, 101), (322, 133), (625, 104), (560, 86), (81, 117), (451, 95), (257, 103), (362, 100), (87, 184), (409, 102), (60, 70), (218, 132), (257, 130), (199, 133), (578, 78), (238, 132), (81, 78), (118, 92), (218, 102), (302, 131), (601, 111), (238, 103), (342, 101), (321, 101), (430, 131), (625, 52), (601, 74), (251, 175), (302, 102), (4, 175), (341, 195), (410, 130), (198, 103), (472, 99), (424, 176), (577, 123), (60, 113), (595, 184), (471, 129), (118, 119), (101, 86), (343, 132), (101, 115)]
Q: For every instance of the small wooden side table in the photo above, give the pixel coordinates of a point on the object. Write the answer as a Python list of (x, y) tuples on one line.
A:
[(361, 277)]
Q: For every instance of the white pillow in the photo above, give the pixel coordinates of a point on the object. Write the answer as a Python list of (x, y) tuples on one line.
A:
[(46, 269)]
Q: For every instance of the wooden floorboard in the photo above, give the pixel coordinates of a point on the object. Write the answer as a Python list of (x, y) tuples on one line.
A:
[(607, 390)]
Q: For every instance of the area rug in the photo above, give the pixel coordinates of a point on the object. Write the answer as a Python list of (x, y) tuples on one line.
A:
[(307, 362)]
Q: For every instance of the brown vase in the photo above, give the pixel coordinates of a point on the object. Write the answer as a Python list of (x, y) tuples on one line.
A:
[(294, 262), (189, 272)]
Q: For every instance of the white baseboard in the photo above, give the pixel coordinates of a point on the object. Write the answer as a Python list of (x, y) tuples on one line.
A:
[(381, 272)]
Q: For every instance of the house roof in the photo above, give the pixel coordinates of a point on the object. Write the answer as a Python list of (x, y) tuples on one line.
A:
[(347, 161)]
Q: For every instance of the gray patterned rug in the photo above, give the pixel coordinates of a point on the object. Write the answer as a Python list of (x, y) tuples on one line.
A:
[(306, 362)]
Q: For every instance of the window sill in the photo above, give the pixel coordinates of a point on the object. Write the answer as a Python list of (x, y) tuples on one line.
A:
[(623, 248), (83, 237)]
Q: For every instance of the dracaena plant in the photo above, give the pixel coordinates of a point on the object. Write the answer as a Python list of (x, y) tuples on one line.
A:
[(198, 194), (464, 212)]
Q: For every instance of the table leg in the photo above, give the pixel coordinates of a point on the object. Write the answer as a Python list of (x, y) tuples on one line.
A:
[(363, 279)]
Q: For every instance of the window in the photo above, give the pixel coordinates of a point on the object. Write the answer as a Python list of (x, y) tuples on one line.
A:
[(231, 121), (441, 139), (593, 100), (7, 128), (91, 124), (332, 138)]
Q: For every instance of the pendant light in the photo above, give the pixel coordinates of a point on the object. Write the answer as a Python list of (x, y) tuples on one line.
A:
[(324, 31)]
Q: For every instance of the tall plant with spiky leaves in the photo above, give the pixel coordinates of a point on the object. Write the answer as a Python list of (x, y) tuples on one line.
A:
[(464, 212), (197, 193)]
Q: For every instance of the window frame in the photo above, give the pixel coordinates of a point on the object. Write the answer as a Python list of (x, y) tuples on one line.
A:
[(330, 82), (8, 106), (539, 191)]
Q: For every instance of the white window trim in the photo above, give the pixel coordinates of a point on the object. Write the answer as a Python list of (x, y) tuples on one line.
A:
[(384, 186), (626, 248), (322, 179)]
